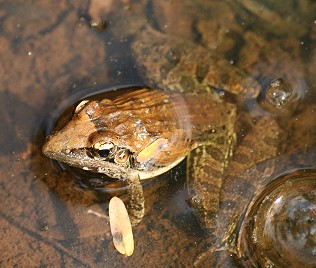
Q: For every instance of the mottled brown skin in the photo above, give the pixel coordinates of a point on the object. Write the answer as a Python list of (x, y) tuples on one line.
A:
[(196, 122), (243, 178), (178, 65), (198, 119), (135, 120)]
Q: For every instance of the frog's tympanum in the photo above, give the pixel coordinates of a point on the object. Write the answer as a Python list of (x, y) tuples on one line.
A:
[(145, 132)]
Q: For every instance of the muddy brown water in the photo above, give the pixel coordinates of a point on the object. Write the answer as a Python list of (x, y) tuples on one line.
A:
[(49, 59)]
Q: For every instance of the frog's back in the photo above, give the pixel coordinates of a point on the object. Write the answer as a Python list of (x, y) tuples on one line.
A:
[(180, 65)]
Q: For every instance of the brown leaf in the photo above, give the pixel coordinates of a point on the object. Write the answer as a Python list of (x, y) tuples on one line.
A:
[(121, 227)]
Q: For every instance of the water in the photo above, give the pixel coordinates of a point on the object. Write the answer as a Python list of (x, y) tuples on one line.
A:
[(280, 225), (50, 56)]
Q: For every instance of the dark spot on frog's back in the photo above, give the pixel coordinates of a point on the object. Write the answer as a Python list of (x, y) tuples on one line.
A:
[(173, 56), (165, 69), (224, 78), (201, 71), (215, 153), (187, 82), (220, 140)]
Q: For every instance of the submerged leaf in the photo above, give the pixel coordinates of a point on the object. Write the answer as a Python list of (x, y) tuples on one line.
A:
[(121, 227)]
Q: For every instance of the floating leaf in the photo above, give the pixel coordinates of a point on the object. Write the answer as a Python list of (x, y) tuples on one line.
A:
[(121, 227)]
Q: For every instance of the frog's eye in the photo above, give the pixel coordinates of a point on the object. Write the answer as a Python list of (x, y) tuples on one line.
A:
[(104, 149), (122, 156)]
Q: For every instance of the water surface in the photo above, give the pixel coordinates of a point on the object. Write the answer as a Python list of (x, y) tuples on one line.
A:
[(50, 58)]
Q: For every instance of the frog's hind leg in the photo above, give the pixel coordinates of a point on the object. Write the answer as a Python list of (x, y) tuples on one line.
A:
[(205, 167), (248, 173), (136, 201)]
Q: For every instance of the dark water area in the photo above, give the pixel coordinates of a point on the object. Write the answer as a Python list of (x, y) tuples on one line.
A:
[(53, 55)]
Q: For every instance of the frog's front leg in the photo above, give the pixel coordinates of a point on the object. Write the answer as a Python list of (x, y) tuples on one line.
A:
[(136, 201), (205, 167)]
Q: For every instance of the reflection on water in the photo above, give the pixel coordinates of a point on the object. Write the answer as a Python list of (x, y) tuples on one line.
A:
[(49, 55), (279, 227)]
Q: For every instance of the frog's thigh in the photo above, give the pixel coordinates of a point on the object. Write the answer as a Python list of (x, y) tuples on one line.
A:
[(205, 167)]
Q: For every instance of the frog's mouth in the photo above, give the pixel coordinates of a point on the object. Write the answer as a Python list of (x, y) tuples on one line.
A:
[(86, 159)]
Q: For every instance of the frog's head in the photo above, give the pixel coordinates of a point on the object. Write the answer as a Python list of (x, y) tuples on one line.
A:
[(136, 133)]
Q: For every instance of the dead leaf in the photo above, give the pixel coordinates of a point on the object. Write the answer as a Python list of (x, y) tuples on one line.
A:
[(121, 227)]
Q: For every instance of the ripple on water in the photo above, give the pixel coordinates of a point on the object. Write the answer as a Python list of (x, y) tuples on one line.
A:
[(280, 225)]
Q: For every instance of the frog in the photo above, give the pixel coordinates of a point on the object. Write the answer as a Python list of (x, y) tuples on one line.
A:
[(187, 73), (142, 134), (180, 129), (188, 111)]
